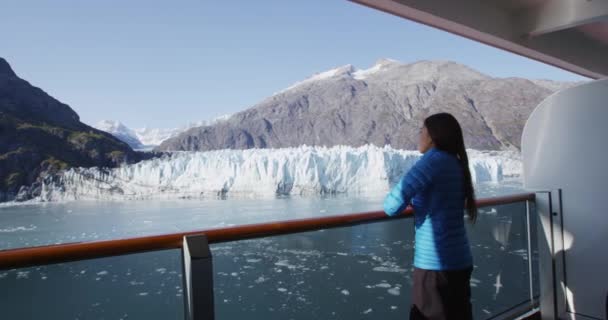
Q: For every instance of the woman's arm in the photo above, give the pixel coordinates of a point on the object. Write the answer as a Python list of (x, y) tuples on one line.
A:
[(418, 179)]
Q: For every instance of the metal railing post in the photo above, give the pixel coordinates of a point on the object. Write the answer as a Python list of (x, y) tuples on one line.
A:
[(198, 278), (529, 239)]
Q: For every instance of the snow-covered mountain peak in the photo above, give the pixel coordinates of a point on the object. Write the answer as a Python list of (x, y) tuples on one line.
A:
[(421, 71), (387, 62), (147, 138), (345, 70), (382, 64), (335, 72), (120, 131), (111, 126)]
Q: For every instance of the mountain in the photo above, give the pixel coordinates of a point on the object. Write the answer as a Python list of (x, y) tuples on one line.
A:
[(148, 138), (382, 105), (40, 135), (121, 132)]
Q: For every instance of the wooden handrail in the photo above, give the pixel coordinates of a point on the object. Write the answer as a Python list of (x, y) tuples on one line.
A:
[(25, 257)]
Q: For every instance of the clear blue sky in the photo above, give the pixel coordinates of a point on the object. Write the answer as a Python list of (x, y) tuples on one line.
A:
[(165, 63)]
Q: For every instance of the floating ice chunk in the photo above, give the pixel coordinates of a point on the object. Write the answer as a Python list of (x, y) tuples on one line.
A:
[(394, 291), (17, 229), (285, 263), (389, 269), (474, 282)]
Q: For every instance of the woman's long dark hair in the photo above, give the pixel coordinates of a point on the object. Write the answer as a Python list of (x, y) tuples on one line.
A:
[(447, 136)]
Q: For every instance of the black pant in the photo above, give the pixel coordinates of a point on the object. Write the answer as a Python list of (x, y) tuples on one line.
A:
[(441, 295)]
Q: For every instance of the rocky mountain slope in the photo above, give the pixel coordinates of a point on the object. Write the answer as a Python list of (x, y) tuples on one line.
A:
[(40, 135), (382, 105)]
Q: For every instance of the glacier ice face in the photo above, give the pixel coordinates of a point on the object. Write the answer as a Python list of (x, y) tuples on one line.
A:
[(261, 172)]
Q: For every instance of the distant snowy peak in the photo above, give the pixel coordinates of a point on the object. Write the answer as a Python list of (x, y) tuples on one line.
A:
[(154, 136), (112, 126), (414, 72), (148, 138), (120, 131)]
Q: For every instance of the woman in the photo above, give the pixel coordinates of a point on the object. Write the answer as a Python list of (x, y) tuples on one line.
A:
[(439, 188)]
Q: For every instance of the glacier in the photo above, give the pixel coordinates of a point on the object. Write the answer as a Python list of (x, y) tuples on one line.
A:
[(303, 170)]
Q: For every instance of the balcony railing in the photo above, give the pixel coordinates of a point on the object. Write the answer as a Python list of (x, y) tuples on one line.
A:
[(371, 239)]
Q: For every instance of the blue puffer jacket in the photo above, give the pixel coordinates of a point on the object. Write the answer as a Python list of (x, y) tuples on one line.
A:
[(434, 185)]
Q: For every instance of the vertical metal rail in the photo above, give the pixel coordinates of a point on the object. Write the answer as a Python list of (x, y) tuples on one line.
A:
[(529, 239), (198, 278)]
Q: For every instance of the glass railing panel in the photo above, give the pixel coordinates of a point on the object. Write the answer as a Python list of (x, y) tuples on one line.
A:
[(137, 286), (364, 271), (499, 242), (343, 273)]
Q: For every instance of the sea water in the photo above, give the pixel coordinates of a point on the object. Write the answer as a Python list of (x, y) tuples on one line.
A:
[(361, 272)]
